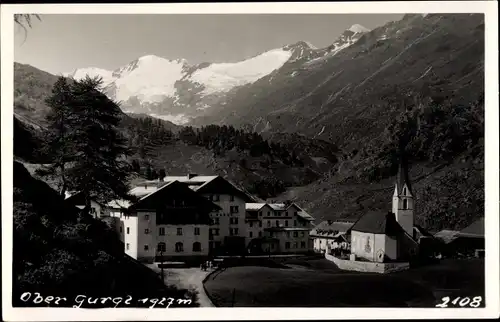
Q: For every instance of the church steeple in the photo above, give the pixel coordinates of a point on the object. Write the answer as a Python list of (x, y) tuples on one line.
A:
[(403, 198), (403, 178)]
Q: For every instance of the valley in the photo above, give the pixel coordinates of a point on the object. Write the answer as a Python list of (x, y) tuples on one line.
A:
[(332, 118)]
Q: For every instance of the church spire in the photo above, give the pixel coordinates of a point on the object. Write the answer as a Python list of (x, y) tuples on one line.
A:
[(403, 177)]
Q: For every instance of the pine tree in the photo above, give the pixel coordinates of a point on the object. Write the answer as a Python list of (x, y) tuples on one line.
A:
[(60, 123), (100, 169)]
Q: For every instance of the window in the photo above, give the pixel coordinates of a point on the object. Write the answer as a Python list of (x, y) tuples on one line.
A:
[(302, 234), (295, 223), (161, 231), (268, 223), (272, 246), (179, 247), (128, 230), (295, 234), (196, 247), (234, 209), (128, 246), (216, 232), (233, 220), (161, 247), (303, 244), (260, 234), (287, 245), (146, 231), (231, 198), (277, 223), (233, 231), (216, 198), (250, 234), (121, 229), (260, 213), (268, 213), (405, 203), (217, 221), (196, 230), (286, 223), (296, 213), (146, 248), (146, 217), (295, 245), (179, 231), (404, 191), (251, 224), (260, 224)]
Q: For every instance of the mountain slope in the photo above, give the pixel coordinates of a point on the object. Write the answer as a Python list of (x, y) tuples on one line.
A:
[(177, 91)]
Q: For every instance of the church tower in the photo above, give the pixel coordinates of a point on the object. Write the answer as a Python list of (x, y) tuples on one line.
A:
[(403, 198)]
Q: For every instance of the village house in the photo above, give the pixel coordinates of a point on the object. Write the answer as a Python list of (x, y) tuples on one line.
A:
[(278, 228), (78, 200), (169, 221), (467, 242), (330, 234)]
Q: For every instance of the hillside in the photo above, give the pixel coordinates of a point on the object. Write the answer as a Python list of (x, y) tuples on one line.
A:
[(58, 252), (325, 128), (264, 167)]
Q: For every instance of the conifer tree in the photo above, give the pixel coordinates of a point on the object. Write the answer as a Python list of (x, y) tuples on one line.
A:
[(59, 146), (94, 144)]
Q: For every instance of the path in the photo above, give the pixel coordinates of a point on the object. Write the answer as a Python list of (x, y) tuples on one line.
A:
[(186, 278)]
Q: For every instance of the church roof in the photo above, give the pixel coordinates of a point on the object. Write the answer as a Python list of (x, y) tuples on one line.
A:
[(378, 222), (403, 177)]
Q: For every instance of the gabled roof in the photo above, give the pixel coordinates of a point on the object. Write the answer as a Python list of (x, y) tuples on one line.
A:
[(447, 235), (378, 222), (330, 228), (476, 229), (301, 213), (180, 188), (251, 206)]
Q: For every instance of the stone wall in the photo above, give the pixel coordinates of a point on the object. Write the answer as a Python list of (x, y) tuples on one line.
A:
[(371, 267)]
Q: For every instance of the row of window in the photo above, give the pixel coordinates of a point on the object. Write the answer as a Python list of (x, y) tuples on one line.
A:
[(179, 247), (232, 232), (217, 198), (161, 231), (302, 245), (295, 224), (277, 213)]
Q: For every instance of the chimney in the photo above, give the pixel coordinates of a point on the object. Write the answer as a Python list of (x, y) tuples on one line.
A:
[(191, 175)]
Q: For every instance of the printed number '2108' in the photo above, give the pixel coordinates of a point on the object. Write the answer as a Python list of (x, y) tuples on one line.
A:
[(461, 301)]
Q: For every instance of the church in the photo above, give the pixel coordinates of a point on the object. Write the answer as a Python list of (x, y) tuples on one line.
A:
[(388, 236)]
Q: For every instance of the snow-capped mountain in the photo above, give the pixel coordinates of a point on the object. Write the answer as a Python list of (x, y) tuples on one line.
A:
[(175, 90)]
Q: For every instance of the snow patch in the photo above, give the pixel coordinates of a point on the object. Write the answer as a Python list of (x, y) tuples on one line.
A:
[(151, 80), (178, 119), (224, 76), (356, 28)]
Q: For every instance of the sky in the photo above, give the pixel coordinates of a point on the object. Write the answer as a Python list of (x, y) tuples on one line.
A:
[(61, 43)]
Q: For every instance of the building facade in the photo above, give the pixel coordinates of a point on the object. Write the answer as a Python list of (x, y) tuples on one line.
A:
[(169, 222), (198, 216), (278, 228), (330, 235)]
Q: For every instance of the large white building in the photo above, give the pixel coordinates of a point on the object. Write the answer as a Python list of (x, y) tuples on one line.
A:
[(278, 228), (193, 217)]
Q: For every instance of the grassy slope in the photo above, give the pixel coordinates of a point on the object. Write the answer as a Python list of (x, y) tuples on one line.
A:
[(319, 283), (55, 253)]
